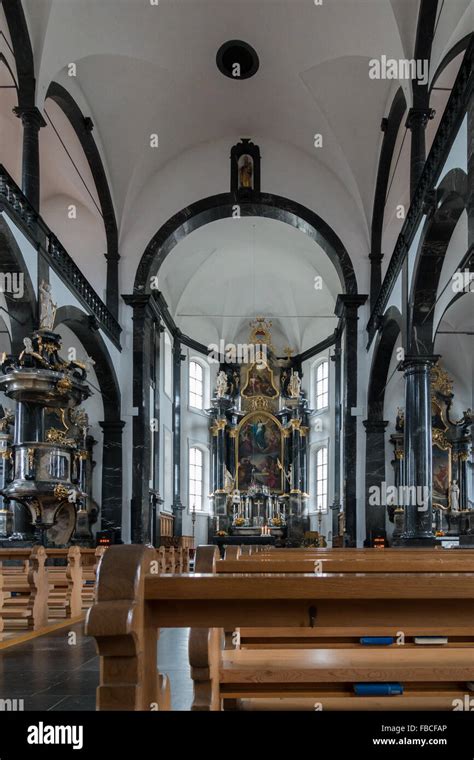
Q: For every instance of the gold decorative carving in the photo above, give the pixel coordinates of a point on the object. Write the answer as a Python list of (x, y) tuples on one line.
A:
[(399, 454), (218, 425), (260, 332), (295, 423), (463, 456), (7, 454), (54, 435), (260, 403), (61, 492), (286, 433), (31, 458), (64, 385), (439, 439), (440, 381), (233, 433)]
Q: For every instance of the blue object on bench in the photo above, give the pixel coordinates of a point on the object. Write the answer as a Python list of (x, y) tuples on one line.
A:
[(378, 689), (378, 641)]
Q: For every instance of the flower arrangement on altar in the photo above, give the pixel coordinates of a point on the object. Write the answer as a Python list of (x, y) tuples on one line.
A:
[(221, 533), (277, 522), (239, 521)]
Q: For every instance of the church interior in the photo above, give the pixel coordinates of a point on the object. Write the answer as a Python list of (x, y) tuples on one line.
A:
[(236, 356)]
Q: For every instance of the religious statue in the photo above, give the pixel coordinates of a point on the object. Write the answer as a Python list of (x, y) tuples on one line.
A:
[(246, 172), (454, 496), (229, 481), (221, 384), (79, 418), (294, 385), (47, 307), (400, 420), (235, 383), (7, 420)]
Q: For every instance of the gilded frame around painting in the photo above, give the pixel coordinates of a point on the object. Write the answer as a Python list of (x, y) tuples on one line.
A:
[(254, 456)]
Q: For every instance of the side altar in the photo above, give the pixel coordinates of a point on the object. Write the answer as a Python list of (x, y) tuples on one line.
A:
[(259, 443)]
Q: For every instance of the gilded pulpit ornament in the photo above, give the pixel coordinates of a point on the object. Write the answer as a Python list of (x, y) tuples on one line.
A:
[(47, 307)]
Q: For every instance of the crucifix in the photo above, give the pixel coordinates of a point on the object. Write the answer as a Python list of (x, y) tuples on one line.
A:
[(258, 504)]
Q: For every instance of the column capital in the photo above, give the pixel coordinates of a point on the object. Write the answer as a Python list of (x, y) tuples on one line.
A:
[(112, 426), (374, 426), (412, 361), (348, 301), (419, 117), (30, 117)]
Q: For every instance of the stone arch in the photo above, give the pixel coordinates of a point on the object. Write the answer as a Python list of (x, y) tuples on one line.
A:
[(260, 204)]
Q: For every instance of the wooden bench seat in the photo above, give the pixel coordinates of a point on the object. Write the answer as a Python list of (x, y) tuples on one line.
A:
[(25, 590), (133, 604)]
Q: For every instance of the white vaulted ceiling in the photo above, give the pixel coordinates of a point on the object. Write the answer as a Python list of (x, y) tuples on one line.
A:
[(144, 69), (227, 273)]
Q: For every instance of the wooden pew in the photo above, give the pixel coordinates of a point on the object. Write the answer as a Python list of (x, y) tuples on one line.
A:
[(277, 646), (90, 559), (133, 604), (25, 588), (65, 583), (306, 561)]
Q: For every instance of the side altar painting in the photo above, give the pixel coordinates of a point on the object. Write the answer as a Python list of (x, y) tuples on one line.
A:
[(259, 420)]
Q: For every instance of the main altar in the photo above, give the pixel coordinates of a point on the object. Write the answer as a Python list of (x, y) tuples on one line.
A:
[(259, 443)]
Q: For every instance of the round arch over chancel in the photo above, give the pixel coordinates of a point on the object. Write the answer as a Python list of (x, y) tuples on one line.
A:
[(226, 206)]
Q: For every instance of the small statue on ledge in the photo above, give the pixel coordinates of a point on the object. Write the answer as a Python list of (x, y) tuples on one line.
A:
[(47, 307), (294, 385), (400, 420), (221, 384), (454, 496)]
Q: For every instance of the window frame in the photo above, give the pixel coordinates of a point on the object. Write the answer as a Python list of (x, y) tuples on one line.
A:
[(316, 381)]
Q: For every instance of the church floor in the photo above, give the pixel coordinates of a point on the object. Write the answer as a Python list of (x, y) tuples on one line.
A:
[(48, 673)]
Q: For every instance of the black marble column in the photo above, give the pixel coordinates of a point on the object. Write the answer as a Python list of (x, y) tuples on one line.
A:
[(416, 122), (347, 306), (112, 468), (336, 505), (112, 288), (470, 174), (374, 475), (32, 122), (296, 481), (418, 450), (142, 346), (178, 507), (230, 453)]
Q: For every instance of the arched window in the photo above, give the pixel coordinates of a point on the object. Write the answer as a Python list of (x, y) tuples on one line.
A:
[(196, 385), (196, 478), (322, 385), (322, 479)]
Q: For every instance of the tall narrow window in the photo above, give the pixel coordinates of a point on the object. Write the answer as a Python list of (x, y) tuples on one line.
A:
[(322, 479), (195, 478), (168, 368), (196, 388), (322, 385)]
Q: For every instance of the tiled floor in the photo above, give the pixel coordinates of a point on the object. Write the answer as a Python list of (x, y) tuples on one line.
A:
[(49, 673)]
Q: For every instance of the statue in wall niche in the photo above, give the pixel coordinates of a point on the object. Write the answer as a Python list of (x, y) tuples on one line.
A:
[(454, 496), (79, 417), (245, 172), (47, 307), (221, 384), (294, 385)]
